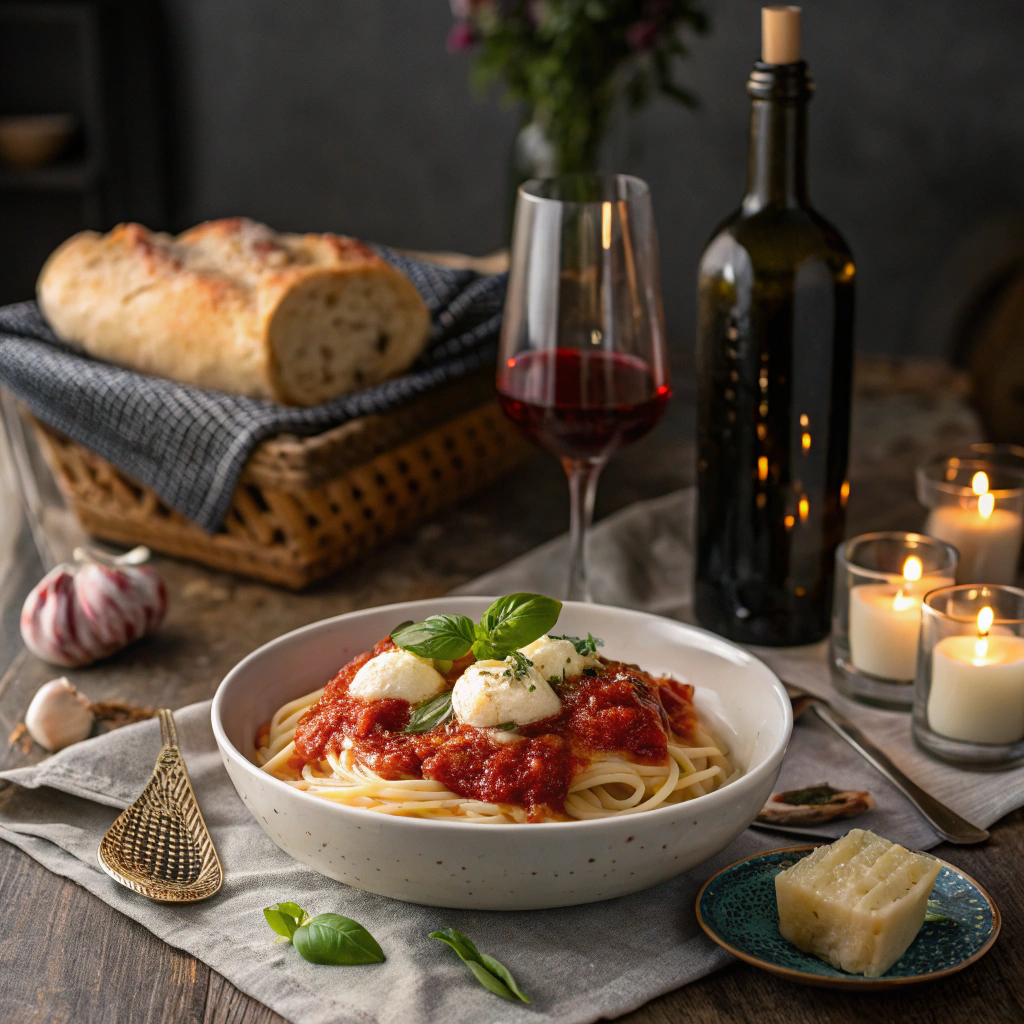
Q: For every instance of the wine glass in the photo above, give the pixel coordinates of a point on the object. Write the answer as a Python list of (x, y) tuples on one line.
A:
[(583, 366)]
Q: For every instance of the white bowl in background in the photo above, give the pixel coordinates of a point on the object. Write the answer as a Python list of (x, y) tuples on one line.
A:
[(508, 867)]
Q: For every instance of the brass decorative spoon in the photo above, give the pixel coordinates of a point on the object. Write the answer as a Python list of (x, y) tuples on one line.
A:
[(160, 846)]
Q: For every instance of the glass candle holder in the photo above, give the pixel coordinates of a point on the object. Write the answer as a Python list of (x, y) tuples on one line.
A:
[(977, 505), (969, 693), (881, 580)]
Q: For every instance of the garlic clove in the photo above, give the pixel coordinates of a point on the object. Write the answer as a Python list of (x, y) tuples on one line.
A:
[(59, 715)]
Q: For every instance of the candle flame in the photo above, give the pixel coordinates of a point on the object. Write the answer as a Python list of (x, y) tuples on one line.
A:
[(912, 569), (606, 225), (804, 507), (985, 619), (979, 483), (986, 504), (762, 467), (805, 440)]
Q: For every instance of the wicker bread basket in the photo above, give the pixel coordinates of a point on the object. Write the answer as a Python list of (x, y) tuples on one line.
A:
[(305, 507)]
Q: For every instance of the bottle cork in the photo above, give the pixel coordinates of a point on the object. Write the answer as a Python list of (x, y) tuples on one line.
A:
[(780, 35)]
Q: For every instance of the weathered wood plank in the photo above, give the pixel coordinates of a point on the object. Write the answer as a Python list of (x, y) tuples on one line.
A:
[(226, 1005), (66, 956)]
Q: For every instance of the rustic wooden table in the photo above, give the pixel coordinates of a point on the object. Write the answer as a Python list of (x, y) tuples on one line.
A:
[(67, 956)]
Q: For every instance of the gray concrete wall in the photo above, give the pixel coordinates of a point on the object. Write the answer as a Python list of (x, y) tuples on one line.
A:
[(349, 115)]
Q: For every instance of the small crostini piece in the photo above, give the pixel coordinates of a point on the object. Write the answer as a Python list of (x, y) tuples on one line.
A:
[(814, 805)]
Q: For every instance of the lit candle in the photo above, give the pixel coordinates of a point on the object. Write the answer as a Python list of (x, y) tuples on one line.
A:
[(977, 691), (988, 538), (885, 623)]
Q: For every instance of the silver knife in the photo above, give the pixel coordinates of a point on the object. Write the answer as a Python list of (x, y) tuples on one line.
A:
[(945, 821)]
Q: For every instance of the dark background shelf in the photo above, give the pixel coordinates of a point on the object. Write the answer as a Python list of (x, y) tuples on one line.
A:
[(98, 60)]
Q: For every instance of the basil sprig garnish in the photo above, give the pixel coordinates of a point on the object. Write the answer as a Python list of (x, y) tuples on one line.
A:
[(493, 975), (583, 647), (511, 622), (324, 939), (431, 712), (445, 637)]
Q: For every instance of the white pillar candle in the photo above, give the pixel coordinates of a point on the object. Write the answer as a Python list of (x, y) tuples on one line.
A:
[(977, 691), (988, 538), (885, 627)]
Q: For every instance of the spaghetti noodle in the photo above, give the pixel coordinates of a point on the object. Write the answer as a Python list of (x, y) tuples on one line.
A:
[(625, 742)]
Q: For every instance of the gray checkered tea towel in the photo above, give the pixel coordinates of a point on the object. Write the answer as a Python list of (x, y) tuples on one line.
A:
[(189, 444)]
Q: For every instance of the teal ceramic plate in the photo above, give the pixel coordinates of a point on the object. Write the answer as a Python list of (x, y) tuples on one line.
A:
[(737, 909)]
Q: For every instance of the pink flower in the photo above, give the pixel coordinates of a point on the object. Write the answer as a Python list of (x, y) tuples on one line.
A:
[(461, 37), (642, 35)]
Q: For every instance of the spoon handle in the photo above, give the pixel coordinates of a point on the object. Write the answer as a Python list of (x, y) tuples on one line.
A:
[(168, 733), (945, 821)]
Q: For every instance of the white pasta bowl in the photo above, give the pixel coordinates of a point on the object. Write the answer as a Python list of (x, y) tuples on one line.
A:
[(508, 867)]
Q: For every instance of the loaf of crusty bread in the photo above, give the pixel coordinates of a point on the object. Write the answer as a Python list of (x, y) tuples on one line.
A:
[(235, 306)]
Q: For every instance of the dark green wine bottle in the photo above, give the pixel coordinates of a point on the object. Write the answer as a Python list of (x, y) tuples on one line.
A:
[(774, 364)]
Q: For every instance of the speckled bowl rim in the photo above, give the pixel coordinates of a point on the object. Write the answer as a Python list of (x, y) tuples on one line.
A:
[(751, 778), (854, 983)]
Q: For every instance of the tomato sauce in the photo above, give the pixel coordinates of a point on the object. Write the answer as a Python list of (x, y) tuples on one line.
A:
[(621, 711)]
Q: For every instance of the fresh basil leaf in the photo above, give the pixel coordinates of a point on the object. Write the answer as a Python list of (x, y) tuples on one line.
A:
[(932, 914), (516, 620), (484, 650), (446, 637), (583, 647), (333, 939), (430, 713), (284, 918), (492, 974), (506, 727), (503, 974)]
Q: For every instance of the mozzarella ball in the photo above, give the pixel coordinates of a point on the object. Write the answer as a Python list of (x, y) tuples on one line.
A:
[(488, 694), (397, 674), (556, 659)]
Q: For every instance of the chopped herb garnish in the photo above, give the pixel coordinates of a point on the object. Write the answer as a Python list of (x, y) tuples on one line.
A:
[(586, 647), (494, 976), (430, 713), (506, 726)]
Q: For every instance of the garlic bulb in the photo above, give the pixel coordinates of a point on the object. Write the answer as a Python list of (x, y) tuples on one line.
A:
[(77, 614), (59, 715)]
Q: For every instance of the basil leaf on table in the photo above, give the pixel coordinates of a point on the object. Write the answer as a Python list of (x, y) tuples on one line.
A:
[(430, 713), (516, 620), (333, 939), (285, 918), (445, 637), (491, 973)]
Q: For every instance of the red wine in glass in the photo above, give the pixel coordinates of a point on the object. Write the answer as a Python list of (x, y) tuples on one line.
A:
[(583, 362), (579, 403)]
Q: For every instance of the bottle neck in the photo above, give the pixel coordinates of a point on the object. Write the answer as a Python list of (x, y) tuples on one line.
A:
[(777, 169)]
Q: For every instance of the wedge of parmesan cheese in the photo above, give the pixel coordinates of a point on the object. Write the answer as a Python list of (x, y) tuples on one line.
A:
[(858, 903)]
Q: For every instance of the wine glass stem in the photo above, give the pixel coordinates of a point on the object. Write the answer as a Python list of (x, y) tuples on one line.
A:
[(582, 474)]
